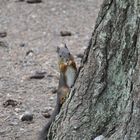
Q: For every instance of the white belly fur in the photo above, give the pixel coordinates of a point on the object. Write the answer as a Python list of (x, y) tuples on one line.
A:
[(70, 74)]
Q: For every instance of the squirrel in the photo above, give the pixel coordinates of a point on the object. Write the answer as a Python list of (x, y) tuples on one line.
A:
[(68, 73)]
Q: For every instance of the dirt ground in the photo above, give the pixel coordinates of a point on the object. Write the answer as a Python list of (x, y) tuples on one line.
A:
[(33, 32)]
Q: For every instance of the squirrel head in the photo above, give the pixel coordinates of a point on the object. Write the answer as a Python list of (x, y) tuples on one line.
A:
[(63, 54)]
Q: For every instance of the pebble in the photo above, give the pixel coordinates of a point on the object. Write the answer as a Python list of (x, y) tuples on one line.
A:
[(54, 90), (30, 52), (51, 98), (20, 0), (46, 114), (27, 116), (17, 109), (11, 102), (22, 45), (65, 33), (3, 34), (101, 137), (38, 75), (33, 1)]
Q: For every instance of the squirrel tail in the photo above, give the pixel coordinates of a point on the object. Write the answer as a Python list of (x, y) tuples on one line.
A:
[(44, 132)]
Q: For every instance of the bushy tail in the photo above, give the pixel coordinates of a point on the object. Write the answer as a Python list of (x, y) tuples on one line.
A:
[(44, 132)]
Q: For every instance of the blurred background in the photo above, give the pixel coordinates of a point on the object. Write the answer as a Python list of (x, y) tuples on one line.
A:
[(30, 31)]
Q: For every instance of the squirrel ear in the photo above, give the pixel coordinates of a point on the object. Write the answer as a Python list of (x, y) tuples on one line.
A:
[(57, 49)]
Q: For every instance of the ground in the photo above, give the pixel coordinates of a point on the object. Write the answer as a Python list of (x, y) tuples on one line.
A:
[(33, 33)]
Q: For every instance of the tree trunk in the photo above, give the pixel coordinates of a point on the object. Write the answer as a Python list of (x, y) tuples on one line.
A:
[(105, 99)]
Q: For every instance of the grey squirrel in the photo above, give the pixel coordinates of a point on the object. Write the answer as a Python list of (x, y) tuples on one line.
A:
[(68, 72)]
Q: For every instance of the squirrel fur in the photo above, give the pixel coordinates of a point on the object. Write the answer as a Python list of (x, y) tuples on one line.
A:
[(68, 72)]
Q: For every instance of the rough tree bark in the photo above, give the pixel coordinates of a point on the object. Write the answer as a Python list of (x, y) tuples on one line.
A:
[(105, 99)]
